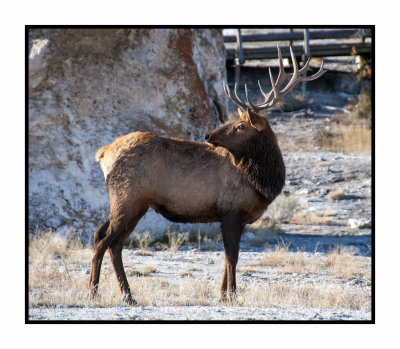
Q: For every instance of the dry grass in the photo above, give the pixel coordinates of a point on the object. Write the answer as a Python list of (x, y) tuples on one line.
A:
[(280, 211), (48, 247), (288, 143), (331, 297), (157, 291), (210, 241), (162, 292), (280, 257), (346, 138), (58, 276), (283, 208), (362, 109), (337, 137), (349, 132), (340, 262), (312, 217), (186, 273), (142, 240), (336, 194), (144, 270), (176, 240)]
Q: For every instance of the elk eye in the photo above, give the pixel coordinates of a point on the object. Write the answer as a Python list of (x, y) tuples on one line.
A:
[(240, 127)]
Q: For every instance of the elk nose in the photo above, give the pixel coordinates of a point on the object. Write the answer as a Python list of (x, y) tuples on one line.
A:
[(207, 136)]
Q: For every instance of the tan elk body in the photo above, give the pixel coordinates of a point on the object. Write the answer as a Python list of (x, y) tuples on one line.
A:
[(232, 178)]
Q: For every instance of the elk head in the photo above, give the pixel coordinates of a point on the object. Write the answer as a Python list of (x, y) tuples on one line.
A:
[(234, 135)]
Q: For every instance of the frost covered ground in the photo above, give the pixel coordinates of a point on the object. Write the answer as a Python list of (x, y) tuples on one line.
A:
[(198, 313)]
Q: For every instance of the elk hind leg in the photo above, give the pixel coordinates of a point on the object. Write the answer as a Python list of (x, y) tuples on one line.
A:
[(102, 240), (115, 251)]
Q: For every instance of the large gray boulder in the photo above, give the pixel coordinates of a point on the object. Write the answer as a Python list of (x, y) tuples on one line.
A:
[(89, 86)]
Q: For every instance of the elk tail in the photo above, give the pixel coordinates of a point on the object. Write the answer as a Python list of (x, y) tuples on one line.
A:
[(101, 232), (100, 153)]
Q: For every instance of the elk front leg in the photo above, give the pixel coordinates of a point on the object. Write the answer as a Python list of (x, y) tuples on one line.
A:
[(231, 228)]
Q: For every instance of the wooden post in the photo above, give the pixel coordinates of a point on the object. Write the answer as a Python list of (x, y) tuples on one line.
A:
[(239, 56), (239, 46), (306, 54), (290, 44)]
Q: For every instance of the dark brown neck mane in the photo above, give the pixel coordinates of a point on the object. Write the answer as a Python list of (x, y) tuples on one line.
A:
[(262, 165)]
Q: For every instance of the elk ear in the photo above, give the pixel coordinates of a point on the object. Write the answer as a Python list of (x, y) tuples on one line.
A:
[(254, 119), (240, 112)]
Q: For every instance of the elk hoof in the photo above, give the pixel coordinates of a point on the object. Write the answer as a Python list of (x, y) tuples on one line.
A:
[(93, 292), (128, 300), (228, 298)]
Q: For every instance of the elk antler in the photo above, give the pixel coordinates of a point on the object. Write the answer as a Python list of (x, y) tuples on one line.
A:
[(275, 95)]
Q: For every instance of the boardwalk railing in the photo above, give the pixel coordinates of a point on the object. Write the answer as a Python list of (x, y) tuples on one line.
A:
[(312, 42)]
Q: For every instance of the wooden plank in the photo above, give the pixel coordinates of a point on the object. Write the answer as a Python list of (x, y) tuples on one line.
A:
[(292, 36), (339, 49)]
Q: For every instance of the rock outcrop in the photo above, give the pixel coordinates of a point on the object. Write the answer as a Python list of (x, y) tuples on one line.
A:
[(89, 86)]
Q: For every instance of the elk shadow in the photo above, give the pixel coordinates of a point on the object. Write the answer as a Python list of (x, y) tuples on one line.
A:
[(362, 244)]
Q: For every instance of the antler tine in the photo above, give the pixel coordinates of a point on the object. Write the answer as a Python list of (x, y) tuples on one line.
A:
[(295, 76), (319, 73), (268, 101), (261, 89), (306, 67), (282, 76), (274, 89), (248, 99), (226, 90), (238, 101)]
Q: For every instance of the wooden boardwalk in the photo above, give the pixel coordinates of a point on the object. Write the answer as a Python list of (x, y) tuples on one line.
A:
[(319, 43)]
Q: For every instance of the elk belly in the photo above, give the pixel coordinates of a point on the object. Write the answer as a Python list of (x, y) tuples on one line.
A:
[(186, 208)]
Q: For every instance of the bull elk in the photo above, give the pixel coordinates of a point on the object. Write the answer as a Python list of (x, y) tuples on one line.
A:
[(231, 178)]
